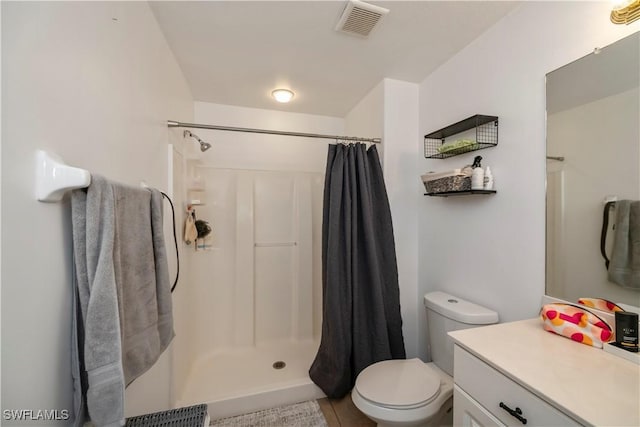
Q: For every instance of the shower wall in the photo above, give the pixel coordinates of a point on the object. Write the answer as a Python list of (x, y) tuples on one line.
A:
[(260, 279), (183, 347)]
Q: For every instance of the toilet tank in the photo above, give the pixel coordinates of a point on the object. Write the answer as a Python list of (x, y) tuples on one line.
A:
[(446, 313)]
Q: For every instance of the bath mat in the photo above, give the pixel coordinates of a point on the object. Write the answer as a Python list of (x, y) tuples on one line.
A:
[(192, 416), (305, 414)]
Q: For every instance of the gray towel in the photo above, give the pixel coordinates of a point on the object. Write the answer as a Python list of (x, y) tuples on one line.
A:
[(624, 268), (142, 276), (93, 220), (78, 373), (123, 289)]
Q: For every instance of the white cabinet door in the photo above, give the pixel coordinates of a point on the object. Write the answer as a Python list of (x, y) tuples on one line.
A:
[(469, 413)]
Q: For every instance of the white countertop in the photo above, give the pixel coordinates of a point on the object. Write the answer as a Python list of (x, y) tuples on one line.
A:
[(592, 386)]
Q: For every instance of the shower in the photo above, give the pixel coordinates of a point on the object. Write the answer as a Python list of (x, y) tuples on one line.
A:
[(249, 316), (204, 146)]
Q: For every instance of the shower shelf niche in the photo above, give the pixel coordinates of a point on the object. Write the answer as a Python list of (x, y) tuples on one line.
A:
[(195, 184), (486, 136), (195, 197)]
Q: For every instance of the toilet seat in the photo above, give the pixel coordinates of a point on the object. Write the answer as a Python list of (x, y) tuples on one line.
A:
[(398, 384)]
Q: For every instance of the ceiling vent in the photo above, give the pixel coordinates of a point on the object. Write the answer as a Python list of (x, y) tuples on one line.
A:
[(360, 18)]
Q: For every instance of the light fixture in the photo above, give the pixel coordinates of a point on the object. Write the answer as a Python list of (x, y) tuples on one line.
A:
[(620, 4), (625, 11), (282, 95)]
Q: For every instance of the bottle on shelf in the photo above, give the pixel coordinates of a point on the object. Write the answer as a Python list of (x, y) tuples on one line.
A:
[(488, 179), (477, 176)]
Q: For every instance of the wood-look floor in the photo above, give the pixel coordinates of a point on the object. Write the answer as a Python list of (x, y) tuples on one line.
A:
[(343, 413)]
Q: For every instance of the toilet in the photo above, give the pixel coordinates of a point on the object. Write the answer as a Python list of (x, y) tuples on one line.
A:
[(413, 393)]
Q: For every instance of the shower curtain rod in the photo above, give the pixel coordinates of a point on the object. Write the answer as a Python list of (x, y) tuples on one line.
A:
[(174, 124)]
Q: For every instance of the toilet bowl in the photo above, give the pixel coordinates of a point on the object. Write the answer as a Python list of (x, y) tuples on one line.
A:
[(406, 393)]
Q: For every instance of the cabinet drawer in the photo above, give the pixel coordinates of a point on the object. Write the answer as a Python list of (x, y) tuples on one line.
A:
[(489, 388)]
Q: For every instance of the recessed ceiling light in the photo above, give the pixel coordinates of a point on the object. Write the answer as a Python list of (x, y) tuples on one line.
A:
[(282, 95)]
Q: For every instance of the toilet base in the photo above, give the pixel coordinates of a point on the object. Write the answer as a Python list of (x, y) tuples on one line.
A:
[(444, 418)]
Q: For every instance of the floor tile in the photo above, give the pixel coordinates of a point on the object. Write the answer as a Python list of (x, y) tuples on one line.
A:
[(348, 415)]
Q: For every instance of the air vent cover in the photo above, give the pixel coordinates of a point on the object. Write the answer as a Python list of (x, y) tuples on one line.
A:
[(360, 18)]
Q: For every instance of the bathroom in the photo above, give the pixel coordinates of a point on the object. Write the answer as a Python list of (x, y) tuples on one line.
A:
[(95, 83)]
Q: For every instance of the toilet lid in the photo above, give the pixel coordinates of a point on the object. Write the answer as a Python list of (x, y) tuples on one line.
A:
[(398, 383)]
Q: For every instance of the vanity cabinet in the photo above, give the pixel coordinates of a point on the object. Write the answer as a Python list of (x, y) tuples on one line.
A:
[(488, 398), (467, 412), (554, 381)]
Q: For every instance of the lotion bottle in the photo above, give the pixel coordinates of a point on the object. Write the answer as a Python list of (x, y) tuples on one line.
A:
[(488, 179), (477, 179)]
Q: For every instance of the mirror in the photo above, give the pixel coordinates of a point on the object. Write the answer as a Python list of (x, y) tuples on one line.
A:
[(593, 155)]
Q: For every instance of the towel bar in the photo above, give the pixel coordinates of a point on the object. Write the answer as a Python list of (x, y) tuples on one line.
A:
[(54, 178)]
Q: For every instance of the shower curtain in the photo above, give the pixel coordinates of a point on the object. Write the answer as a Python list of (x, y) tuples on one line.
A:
[(361, 321)]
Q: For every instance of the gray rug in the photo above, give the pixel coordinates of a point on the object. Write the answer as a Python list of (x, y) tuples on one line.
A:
[(305, 414)]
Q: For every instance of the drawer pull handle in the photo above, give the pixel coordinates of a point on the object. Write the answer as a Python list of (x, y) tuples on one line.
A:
[(514, 413)]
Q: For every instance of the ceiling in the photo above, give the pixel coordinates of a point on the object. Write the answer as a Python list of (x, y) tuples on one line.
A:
[(237, 52)]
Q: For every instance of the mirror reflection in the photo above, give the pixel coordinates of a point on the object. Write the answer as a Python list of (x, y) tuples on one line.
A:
[(593, 157)]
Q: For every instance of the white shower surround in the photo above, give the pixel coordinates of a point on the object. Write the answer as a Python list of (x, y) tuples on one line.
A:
[(255, 297), (258, 288)]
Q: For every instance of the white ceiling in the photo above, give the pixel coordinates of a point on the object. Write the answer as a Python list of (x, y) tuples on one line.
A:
[(237, 52)]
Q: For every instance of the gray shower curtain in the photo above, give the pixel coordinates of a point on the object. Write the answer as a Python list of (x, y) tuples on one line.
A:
[(361, 321)]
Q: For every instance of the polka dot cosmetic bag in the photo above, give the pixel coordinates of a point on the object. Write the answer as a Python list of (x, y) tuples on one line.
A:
[(576, 323)]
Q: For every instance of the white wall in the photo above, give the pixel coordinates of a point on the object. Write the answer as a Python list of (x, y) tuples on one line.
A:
[(241, 150), (94, 83), (390, 111), (491, 249), (366, 119), (404, 191)]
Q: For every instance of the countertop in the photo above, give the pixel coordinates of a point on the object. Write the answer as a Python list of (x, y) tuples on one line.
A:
[(591, 386)]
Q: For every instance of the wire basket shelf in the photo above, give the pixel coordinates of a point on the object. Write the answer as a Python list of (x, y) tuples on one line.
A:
[(486, 136)]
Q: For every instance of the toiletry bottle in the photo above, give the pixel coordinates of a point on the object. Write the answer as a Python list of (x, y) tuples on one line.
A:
[(627, 330), (477, 179), (488, 179)]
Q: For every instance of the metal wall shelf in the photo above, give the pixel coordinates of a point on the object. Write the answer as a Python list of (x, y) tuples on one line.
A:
[(486, 129), (460, 193)]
